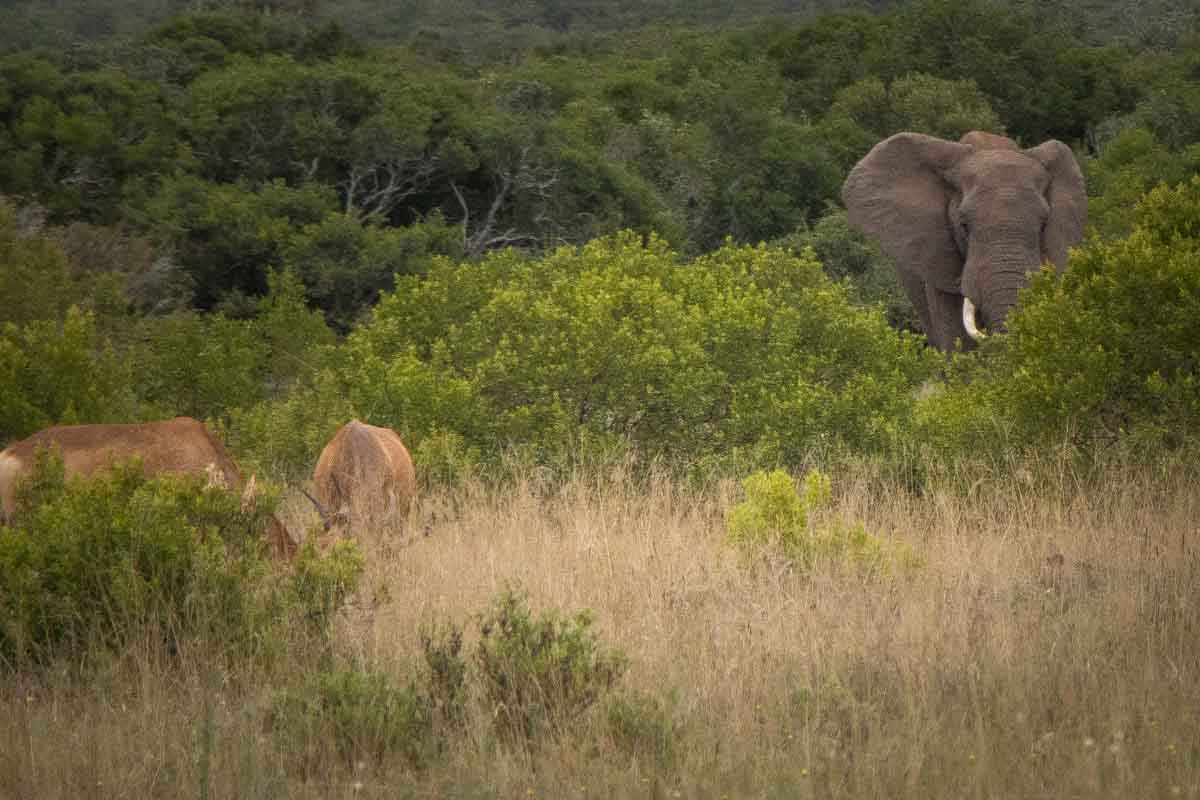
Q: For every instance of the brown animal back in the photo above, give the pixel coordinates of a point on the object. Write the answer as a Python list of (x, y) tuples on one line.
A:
[(181, 445), (360, 466)]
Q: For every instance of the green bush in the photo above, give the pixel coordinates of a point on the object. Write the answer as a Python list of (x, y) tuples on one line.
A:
[(1106, 355), (848, 255), (538, 674), (89, 562), (284, 437), (746, 349), (642, 727), (351, 714), (54, 373), (199, 365), (447, 672), (776, 516)]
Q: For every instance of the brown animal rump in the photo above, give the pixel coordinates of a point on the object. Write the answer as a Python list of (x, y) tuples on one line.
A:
[(364, 471), (180, 446)]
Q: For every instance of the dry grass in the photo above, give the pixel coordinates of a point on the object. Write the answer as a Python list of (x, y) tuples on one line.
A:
[(1049, 647)]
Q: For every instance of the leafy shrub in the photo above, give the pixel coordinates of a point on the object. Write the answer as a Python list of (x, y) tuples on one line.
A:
[(749, 348), (642, 727), (55, 372), (85, 562), (916, 102), (199, 365), (351, 714), (35, 275), (1106, 355), (1130, 163), (284, 437), (322, 582), (775, 515), (447, 672), (848, 255), (539, 673)]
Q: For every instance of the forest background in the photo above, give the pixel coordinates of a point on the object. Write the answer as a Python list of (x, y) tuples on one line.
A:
[(275, 216)]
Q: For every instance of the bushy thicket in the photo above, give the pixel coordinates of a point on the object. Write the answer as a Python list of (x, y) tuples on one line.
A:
[(224, 195), (1108, 354), (746, 352), (94, 563)]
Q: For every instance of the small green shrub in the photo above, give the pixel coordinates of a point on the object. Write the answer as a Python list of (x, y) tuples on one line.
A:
[(322, 583), (447, 676), (445, 459), (538, 674), (643, 728), (776, 516), (89, 562), (284, 437), (351, 715)]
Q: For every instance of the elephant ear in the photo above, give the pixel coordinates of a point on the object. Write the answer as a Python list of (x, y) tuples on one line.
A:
[(1067, 198), (900, 193)]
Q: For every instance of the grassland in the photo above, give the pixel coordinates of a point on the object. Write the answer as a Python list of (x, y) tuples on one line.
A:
[(1048, 646)]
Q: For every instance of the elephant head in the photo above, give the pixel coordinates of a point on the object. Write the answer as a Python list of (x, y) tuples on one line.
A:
[(967, 222)]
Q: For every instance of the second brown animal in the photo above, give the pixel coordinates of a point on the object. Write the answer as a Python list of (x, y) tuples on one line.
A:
[(363, 474)]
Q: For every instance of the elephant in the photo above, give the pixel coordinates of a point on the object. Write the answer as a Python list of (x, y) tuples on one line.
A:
[(967, 223)]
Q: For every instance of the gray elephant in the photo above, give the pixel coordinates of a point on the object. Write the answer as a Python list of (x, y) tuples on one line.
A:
[(967, 222)]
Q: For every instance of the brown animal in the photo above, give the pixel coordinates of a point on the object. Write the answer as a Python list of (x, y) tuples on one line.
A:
[(363, 472), (177, 446)]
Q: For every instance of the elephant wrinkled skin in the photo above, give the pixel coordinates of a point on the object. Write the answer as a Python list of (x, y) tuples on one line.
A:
[(967, 222)]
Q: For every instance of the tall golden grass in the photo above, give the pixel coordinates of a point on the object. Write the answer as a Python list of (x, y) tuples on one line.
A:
[(1048, 647)]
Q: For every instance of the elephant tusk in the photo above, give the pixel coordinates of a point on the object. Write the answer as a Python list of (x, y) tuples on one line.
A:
[(969, 320)]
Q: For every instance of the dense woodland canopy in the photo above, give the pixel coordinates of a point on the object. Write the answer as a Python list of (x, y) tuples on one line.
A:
[(212, 197)]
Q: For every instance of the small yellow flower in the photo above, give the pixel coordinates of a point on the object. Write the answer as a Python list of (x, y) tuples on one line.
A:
[(1171, 747), (971, 758), (804, 772)]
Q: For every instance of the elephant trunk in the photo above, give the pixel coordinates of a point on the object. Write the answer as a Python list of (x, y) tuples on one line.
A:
[(995, 286)]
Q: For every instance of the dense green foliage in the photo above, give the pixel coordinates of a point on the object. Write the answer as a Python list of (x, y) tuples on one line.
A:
[(1108, 354), (743, 348), (89, 563), (499, 226)]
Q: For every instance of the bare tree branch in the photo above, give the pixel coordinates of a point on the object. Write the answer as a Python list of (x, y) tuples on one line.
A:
[(524, 178)]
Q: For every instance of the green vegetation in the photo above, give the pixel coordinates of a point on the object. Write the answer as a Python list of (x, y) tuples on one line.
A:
[(588, 258), (97, 563), (1106, 356), (777, 519), (539, 673), (351, 715)]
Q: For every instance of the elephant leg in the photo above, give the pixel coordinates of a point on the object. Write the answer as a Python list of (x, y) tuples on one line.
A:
[(945, 314), (914, 287)]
